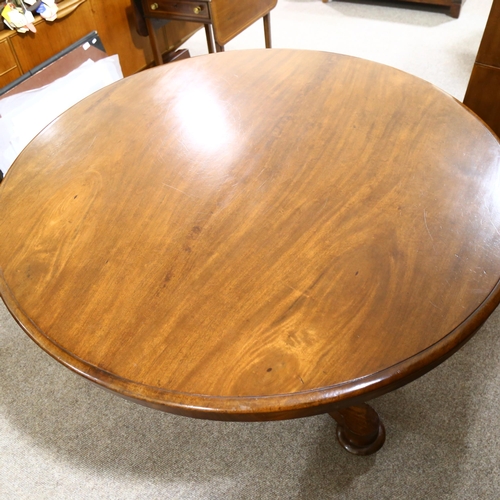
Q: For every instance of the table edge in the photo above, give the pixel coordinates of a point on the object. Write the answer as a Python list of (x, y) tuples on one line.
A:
[(262, 408)]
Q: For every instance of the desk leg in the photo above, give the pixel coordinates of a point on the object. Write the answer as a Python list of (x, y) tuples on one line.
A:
[(267, 29), (210, 41), (154, 43), (455, 8), (359, 429)]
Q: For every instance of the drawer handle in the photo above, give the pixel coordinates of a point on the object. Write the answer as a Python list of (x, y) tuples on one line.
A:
[(154, 6), (198, 9)]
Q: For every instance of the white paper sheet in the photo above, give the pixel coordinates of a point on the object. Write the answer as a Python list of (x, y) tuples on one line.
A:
[(24, 115)]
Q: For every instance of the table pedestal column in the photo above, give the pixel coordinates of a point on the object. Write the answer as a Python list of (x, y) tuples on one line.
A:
[(359, 429)]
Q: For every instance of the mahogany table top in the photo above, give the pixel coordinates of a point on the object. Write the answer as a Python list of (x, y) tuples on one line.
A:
[(255, 234)]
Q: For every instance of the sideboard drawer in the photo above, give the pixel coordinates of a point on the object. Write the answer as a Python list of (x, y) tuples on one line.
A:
[(183, 9)]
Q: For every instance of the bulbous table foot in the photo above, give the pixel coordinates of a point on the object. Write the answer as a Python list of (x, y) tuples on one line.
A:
[(359, 429)]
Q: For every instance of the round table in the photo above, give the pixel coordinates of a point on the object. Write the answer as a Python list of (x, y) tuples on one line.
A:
[(256, 235)]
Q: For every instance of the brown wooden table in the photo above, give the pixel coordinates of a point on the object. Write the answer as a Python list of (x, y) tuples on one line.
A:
[(256, 235), (226, 18)]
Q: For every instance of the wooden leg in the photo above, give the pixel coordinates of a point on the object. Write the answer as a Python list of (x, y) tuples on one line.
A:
[(154, 43), (210, 41), (219, 48), (359, 429), (267, 29), (455, 9)]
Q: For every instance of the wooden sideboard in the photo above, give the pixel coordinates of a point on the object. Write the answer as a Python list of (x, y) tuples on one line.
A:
[(453, 5), (112, 19), (483, 92)]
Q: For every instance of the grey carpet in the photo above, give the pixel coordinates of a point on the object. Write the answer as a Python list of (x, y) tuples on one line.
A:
[(61, 437)]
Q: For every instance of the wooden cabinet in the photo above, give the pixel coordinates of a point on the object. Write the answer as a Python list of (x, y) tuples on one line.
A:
[(483, 91), (112, 19), (454, 6), (74, 22)]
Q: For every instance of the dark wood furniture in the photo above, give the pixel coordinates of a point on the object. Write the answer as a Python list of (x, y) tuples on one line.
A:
[(113, 20), (256, 235), (483, 91), (227, 18), (454, 5)]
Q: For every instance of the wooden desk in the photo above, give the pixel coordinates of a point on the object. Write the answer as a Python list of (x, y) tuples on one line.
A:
[(227, 18), (256, 235), (112, 19)]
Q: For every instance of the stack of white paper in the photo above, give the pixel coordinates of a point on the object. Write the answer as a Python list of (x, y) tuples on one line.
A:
[(24, 115)]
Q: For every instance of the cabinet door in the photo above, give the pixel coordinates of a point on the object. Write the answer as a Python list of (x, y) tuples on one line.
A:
[(483, 91), (9, 69), (75, 22), (483, 95), (489, 50)]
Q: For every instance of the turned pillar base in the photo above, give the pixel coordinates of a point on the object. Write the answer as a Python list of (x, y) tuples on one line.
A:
[(359, 429)]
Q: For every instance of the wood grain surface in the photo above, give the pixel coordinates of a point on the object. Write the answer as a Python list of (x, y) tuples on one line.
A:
[(255, 234)]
